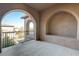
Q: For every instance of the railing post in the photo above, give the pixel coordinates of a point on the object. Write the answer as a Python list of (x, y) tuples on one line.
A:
[(0, 40)]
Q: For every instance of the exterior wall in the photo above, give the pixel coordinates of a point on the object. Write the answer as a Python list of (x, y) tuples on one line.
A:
[(4, 8), (47, 14)]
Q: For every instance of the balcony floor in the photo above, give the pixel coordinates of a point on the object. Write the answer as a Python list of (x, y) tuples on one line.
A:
[(37, 48)]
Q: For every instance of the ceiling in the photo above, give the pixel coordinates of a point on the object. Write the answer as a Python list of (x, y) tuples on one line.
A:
[(40, 6)]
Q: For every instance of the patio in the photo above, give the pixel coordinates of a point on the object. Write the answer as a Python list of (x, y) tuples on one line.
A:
[(38, 48)]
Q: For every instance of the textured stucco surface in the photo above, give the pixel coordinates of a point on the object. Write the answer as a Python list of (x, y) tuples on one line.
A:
[(65, 36), (62, 24), (47, 14)]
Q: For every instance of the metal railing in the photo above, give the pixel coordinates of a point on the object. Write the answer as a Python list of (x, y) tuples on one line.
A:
[(11, 38), (7, 39)]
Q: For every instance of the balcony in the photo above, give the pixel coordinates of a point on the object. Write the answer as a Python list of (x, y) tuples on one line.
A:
[(38, 48), (12, 38), (7, 39)]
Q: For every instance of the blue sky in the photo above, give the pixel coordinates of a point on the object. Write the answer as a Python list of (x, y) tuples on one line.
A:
[(14, 18)]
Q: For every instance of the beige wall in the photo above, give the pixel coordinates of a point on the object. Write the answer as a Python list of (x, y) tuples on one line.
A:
[(62, 24), (47, 14)]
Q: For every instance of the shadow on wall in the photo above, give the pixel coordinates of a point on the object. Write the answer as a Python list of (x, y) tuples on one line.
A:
[(62, 24)]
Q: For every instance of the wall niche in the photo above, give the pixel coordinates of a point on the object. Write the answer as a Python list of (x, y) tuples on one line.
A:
[(62, 24)]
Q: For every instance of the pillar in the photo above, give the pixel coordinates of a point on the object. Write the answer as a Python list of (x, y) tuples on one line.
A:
[(25, 25)]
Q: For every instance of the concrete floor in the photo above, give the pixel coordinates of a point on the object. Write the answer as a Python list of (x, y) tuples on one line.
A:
[(37, 48)]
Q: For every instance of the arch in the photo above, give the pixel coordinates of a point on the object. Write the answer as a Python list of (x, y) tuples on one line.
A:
[(26, 10), (31, 26), (66, 11), (15, 10), (19, 10), (27, 28)]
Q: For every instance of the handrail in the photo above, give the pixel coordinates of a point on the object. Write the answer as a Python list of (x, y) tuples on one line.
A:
[(7, 39)]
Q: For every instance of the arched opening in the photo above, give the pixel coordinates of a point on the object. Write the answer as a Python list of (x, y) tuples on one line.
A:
[(13, 27), (31, 28), (62, 24)]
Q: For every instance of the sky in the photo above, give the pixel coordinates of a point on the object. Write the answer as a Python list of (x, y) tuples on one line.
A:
[(14, 18)]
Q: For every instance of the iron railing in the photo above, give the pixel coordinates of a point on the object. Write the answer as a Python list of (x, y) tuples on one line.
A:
[(10, 38), (7, 39)]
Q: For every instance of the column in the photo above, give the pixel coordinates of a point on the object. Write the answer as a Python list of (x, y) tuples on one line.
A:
[(25, 29)]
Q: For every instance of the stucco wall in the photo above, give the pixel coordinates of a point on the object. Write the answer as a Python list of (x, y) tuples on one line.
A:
[(4, 8), (62, 24), (46, 15)]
